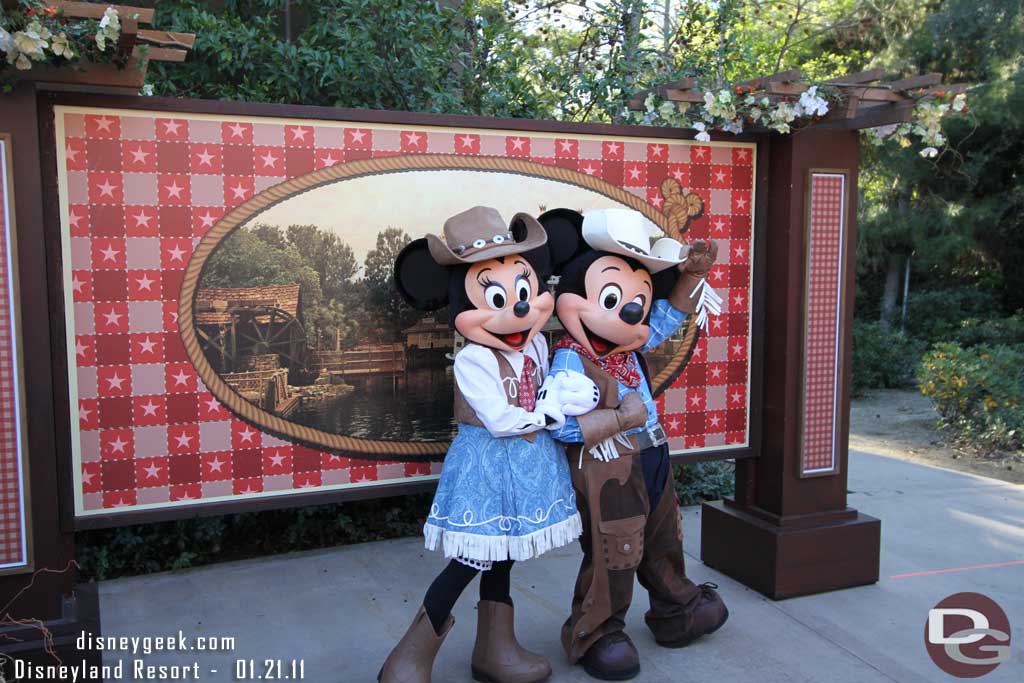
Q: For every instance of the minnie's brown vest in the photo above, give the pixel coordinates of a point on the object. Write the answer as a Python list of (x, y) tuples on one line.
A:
[(510, 383)]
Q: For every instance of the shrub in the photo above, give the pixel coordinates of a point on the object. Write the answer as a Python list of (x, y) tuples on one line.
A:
[(702, 481), (977, 391), (937, 315), (882, 358), (1007, 331), (160, 546)]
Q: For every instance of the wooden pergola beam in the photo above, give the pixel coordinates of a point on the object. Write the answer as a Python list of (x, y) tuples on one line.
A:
[(167, 38), (787, 76), (91, 10), (860, 77), (677, 95), (159, 54), (914, 82), (950, 88), (874, 94), (785, 88), (865, 104), (872, 117)]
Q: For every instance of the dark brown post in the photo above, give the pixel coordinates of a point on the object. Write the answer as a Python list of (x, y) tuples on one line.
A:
[(788, 531), (51, 600)]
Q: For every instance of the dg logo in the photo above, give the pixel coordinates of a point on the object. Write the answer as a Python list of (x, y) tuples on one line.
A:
[(967, 635)]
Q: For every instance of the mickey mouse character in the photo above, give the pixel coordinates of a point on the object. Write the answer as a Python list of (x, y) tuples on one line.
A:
[(505, 492), (617, 296)]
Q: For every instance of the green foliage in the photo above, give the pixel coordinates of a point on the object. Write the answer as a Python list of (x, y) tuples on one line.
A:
[(386, 54), (882, 358), (978, 392), (961, 215), (393, 314), (146, 548), (702, 481), (938, 315), (1004, 331)]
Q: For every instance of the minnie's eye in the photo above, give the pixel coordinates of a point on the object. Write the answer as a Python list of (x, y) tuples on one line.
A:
[(610, 297), (523, 290), (495, 297), (639, 299)]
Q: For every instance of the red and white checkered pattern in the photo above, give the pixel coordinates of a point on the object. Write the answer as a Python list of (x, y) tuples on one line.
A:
[(142, 188), (12, 502), (823, 311)]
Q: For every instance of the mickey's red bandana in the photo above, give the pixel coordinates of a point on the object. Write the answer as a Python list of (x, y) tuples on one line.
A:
[(621, 366)]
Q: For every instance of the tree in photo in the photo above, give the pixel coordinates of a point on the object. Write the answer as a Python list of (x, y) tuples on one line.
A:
[(391, 313)]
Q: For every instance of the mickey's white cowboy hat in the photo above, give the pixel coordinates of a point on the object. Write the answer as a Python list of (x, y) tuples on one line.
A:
[(625, 232)]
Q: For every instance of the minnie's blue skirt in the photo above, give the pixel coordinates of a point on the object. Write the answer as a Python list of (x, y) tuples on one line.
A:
[(502, 498)]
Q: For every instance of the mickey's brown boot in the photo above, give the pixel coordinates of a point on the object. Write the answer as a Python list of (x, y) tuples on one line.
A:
[(497, 656), (612, 658), (706, 615), (412, 660)]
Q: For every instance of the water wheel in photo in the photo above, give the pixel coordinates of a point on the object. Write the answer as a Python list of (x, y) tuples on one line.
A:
[(258, 337)]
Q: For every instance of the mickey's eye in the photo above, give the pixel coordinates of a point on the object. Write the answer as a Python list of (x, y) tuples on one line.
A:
[(495, 296), (639, 299), (610, 297), (523, 290)]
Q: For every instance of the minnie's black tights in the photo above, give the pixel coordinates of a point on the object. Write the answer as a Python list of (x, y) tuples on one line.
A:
[(495, 585)]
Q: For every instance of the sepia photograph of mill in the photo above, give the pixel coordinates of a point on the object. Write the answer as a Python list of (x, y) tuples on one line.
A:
[(297, 312)]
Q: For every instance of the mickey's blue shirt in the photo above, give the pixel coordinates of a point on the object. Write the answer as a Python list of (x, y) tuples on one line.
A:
[(665, 320)]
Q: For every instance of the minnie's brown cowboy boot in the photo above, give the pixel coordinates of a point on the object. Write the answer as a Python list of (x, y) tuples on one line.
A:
[(412, 660), (497, 656)]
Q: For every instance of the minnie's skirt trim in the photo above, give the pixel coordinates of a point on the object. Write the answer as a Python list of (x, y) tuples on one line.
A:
[(497, 548)]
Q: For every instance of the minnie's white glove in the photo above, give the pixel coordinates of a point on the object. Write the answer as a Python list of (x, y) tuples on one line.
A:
[(549, 408)]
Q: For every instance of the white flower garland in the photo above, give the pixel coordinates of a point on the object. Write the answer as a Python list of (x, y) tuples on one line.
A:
[(731, 110), (42, 36)]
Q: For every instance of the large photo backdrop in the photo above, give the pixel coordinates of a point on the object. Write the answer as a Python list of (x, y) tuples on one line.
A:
[(233, 331)]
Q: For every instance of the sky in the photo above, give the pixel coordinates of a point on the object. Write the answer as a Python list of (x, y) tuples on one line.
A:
[(420, 201)]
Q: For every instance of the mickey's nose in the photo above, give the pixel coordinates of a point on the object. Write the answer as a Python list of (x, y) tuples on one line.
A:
[(632, 313), (521, 309)]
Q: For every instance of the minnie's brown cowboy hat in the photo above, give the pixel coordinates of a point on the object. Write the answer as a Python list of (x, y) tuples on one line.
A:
[(480, 233)]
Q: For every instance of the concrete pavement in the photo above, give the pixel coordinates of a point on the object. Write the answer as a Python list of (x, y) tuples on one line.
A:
[(341, 610)]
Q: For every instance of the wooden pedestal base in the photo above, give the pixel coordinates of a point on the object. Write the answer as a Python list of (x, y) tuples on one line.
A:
[(81, 613), (788, 557)]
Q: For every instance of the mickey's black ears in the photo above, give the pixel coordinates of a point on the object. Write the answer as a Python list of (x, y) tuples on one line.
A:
[(565, 236), (664, 282), (421, 281)]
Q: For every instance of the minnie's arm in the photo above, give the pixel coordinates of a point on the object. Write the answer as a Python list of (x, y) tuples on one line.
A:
[(479, 379)]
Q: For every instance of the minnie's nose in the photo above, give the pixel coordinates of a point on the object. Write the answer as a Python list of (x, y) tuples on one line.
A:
[(632, 313), (521, 309)]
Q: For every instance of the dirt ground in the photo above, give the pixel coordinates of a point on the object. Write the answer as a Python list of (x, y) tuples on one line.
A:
[(902, 424)]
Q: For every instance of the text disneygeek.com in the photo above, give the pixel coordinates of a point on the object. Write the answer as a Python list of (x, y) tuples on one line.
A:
[(136, 668)]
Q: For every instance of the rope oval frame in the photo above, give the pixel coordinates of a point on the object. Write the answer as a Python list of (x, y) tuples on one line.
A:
[(371, 449)]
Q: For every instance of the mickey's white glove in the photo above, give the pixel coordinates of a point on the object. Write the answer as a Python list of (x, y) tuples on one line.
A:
[(569, 393), (577, 394)]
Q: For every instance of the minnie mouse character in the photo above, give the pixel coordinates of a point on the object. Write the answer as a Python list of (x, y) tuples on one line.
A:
[(619, 295), (505, 492)]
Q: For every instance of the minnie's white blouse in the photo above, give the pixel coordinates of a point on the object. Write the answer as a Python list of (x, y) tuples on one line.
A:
[(479, 380)]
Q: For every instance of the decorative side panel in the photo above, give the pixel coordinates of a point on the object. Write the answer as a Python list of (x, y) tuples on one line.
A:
[(823, 310), (14, 525)]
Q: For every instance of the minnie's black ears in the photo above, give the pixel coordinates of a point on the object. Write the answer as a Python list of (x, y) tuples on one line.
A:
[(421, 281), (565, 236)]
